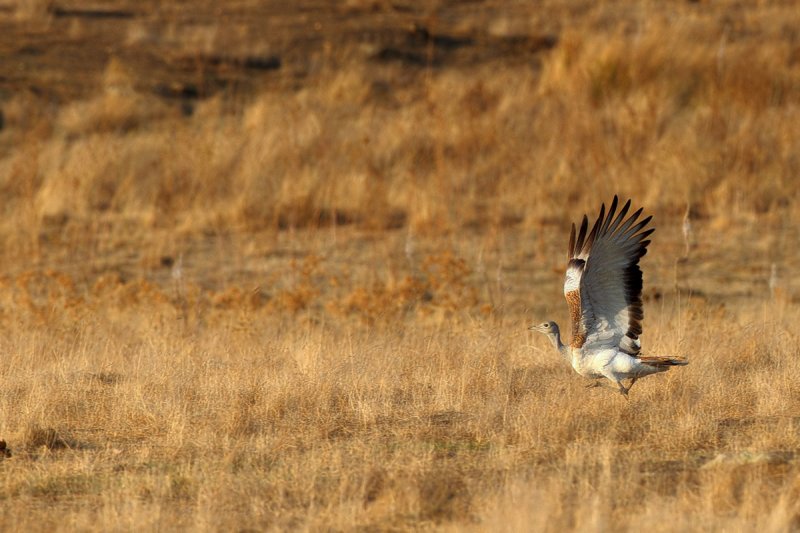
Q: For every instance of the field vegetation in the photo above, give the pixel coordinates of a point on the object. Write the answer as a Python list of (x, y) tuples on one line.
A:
[(270, 265)]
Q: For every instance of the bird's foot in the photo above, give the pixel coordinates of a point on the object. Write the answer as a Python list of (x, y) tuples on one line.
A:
[(623, 390), (594, 384)]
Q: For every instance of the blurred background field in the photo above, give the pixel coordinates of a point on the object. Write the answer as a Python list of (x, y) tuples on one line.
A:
[(269, 265)]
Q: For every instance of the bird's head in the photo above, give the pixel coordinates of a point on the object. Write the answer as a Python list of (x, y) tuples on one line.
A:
[(548, 328)]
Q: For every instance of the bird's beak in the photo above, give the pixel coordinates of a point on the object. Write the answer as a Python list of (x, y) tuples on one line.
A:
[(535, 328)]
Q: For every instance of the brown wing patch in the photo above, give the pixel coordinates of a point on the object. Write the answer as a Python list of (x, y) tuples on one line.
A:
[(574, 304)]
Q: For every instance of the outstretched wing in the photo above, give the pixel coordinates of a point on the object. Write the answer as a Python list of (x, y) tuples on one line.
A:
[(603, 285)]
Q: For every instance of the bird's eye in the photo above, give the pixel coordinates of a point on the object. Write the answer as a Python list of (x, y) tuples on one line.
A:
[(545, 325)]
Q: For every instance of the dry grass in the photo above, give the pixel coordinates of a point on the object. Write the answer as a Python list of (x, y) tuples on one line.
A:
[(259, 413), (304, 306), (673, 109)]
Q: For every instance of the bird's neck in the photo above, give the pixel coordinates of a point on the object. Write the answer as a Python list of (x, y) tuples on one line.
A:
[(555, 338)]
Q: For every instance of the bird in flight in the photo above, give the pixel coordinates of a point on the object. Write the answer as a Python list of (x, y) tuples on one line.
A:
[(603, 288)]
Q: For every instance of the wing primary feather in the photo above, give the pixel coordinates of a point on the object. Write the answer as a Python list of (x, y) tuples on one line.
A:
[(571, 251), (595, 228), (645, 221), (581, 235), (645, 234), (632, 231), (611, 211), (620, 217), (623, 228)]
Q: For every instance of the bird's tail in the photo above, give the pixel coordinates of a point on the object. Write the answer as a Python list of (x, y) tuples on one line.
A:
[(660, 361)]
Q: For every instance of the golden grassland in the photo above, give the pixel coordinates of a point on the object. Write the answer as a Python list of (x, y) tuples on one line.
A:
[(390, 403), (305, 306)]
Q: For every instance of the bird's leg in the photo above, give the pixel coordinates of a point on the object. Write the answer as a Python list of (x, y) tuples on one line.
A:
[(633, 380), (623, 390), (599, 382)]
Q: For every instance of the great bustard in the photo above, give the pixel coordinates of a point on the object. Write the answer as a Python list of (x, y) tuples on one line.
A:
[(603, 288)]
